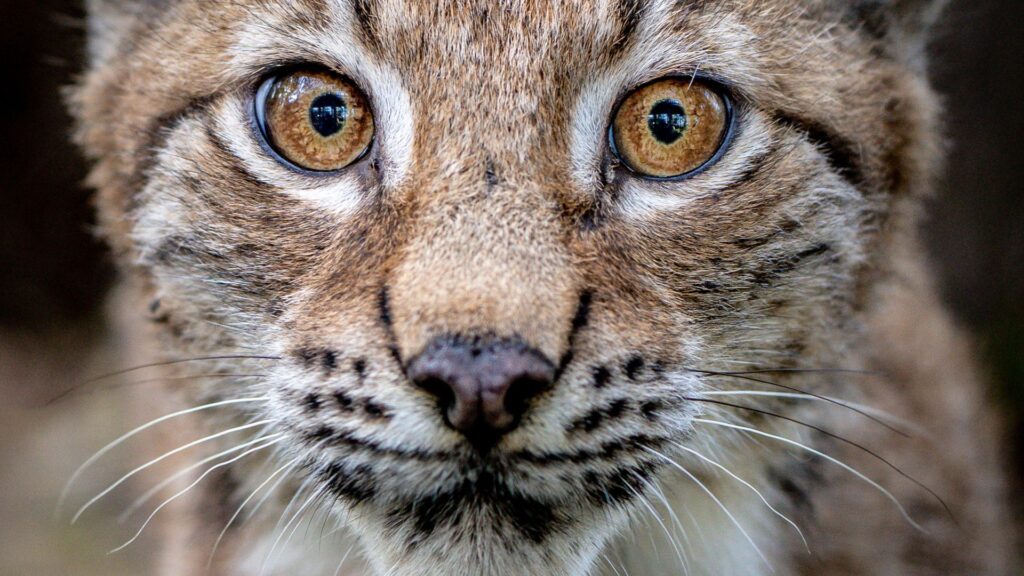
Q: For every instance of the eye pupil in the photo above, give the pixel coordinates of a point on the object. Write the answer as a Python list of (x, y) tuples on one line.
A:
[(667, 121), (328, 114)]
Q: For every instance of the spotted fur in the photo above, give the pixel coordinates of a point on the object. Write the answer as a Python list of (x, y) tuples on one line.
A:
[(491, 206)]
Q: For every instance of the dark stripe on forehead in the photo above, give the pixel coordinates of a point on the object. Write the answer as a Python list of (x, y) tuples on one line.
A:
[(841, 153), (629, 13), (366, 16)]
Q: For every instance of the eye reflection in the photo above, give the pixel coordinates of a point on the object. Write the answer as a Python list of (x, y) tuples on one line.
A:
[(667, 121)]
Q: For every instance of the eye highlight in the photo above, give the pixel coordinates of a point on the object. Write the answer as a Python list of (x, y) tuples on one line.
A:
[(314, 119), (671, 128)]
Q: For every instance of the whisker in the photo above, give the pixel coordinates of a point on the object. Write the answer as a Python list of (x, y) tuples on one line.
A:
[(165, 456), (141, 500), (800, 396), (188, 488), (289, 466), (118, 386), (835, 436), (803, 371), (748, 485), (739, 376), (124, 437), (683, 561), (820, 454), (343, 559), (280, 535), (124, 371), (722, 506), (657, 518)]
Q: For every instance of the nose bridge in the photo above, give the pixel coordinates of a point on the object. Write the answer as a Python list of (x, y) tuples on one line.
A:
[(484, 259)]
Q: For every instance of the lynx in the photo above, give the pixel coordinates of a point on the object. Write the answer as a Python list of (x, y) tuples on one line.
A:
[(504, 287)]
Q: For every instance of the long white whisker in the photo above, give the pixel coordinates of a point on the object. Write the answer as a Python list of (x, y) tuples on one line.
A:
[(820, 454), (159, 459), (657, 518), (220, 537), (876, 412), (675, 519), (343, 559), (103, 451), (183, 472), (280, 535), (189, 487), (748, 485), (722, 506)]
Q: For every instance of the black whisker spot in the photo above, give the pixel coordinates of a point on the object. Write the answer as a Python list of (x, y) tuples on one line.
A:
[(359, 365), (319, 434), (651, 409), (330, 360), (343, 400), (618, 408), (633, 367), (313, 402), (374, 410), (601, 377)]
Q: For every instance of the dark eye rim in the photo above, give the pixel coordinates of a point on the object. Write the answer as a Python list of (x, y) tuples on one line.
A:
[(257, 118), (719, 88)]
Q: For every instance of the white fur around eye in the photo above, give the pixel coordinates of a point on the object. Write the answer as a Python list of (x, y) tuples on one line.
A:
[(340, 193), (336, 47), (641, 198)]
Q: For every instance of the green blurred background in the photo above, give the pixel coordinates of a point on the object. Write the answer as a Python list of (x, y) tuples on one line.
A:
[(53, 275)]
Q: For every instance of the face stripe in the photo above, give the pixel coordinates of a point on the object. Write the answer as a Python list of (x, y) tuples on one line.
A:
[(841, 153)]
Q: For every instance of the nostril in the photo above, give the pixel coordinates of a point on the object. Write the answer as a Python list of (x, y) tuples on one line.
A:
[(482, 387), (522, 391), (439, 388)]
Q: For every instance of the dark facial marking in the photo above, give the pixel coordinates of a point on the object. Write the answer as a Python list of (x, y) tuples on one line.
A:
[(601, 377), (330, 360), (533, 519), (841, 153), (633, 366), (354, 485), (313, 402), (374, 410), (343, 400), (650, 409)]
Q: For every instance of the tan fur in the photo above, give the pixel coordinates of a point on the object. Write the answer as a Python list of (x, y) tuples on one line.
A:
[(490, 206)]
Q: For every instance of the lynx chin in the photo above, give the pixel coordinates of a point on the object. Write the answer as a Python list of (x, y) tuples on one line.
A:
[(507, 287)]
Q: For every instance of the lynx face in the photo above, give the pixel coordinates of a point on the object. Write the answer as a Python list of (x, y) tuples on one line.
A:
[(497, 250)]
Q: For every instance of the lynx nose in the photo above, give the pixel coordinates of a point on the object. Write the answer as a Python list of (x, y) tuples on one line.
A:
[(483, 385)]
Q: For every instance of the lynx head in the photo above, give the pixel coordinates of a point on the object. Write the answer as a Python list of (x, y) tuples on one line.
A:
[(499, 251)]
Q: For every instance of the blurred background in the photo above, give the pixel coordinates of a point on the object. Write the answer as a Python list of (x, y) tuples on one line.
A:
[(53, 274)]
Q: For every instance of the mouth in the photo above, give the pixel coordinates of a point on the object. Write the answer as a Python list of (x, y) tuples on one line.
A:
[(419, 494)]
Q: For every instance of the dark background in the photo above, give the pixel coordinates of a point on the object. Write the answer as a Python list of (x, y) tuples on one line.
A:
[(53, 274)]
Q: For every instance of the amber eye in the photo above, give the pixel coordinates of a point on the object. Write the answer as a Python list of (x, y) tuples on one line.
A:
[(671, 128), (314, 119)]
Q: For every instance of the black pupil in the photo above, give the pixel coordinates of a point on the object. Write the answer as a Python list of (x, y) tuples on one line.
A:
[(667, 121), (327, 114)]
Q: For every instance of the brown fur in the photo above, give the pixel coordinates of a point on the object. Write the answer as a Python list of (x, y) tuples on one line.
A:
[(504, 214)]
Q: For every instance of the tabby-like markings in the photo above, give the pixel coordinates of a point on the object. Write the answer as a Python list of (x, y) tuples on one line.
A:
[(540, 287)]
